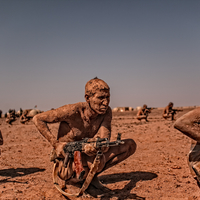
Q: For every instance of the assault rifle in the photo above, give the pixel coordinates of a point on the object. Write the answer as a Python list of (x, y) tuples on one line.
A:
[(71, 147), (148, 110), (175, 110)]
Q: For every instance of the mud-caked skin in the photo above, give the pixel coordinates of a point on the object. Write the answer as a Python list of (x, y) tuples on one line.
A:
[(24, 118), (189, 124), (89, 119), (143, 113), (168, 111), (11, 117)]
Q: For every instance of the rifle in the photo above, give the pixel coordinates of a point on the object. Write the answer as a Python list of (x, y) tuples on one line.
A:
[(148, 110), (151, 108), (176, 110), (72, 148)]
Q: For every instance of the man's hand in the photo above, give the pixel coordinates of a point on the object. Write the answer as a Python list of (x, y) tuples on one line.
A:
[(104, 149), (58, 149), (90, 149)]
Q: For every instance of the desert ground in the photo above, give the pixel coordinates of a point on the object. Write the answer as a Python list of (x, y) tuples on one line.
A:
[(157, 171)]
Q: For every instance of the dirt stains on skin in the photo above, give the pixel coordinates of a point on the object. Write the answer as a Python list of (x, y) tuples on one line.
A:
[(158, 170), (90, 119)]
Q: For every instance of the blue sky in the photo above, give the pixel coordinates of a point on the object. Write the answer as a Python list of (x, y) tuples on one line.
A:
[(147, 51)]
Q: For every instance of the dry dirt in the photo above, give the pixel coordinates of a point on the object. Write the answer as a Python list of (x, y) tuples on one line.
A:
[(157, 171)]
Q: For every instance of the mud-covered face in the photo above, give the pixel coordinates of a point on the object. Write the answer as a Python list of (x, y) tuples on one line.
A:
[(99, 101), (144, 106), (171, 105)]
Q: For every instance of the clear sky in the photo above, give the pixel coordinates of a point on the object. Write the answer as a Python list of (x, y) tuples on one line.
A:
[(148, 51)]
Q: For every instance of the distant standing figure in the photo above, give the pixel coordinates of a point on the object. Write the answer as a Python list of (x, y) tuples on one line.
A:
[(189, 124), (0, 113), (143, 113)]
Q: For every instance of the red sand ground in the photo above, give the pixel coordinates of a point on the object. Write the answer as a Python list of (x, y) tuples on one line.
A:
[(157, 171)]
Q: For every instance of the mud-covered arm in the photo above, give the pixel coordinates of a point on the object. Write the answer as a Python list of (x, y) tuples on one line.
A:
[(163, 113), (52, 116), (189, 124), (166, 111)]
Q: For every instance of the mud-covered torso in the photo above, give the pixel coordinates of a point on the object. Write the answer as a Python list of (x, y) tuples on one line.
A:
[(76, 125)]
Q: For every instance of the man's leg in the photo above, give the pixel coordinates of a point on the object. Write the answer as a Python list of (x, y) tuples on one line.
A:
[(172, 114), (113, 156), (146, 118), (165, 116), (141, 117), (117, 154)]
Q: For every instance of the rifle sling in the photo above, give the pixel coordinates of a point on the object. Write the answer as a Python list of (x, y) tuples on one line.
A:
[(87, 181)]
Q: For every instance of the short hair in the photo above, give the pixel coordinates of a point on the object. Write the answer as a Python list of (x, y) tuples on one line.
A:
[(145, 105), (170, 104), (95, 84)]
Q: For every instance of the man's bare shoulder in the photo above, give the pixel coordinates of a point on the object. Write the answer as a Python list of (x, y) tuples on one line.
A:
[(62, 112), (194, 114), (197, 110), (188, 118), (72, 108)]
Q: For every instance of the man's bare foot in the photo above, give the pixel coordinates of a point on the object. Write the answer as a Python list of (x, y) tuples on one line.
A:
[(97, 184), (97, 189)]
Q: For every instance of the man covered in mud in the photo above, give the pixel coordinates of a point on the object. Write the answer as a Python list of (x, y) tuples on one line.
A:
[(10, 117), (169, 112), (143, 113), (24, 116), (189, 124), (90, 119)]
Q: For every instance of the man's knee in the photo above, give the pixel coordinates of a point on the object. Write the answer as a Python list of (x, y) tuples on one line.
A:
[(131, 146)]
